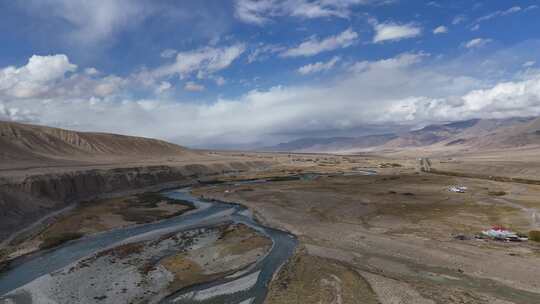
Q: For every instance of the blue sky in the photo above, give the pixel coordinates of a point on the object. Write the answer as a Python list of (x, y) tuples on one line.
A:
[(237, 73)]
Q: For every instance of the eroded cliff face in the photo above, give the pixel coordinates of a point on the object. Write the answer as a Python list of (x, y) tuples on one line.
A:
[(25, 202)]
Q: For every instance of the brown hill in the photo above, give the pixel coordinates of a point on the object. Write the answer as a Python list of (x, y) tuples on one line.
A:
[(472, 135), (20, 143), (525, 132), (431, 134)]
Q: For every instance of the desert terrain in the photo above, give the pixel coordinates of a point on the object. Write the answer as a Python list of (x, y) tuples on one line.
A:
[(402, 232), (94, 226), (269, 152)]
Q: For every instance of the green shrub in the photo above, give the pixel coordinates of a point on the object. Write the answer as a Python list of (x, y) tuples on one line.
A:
[(59, 239), (497, 193), (534, 236), (152, 199)]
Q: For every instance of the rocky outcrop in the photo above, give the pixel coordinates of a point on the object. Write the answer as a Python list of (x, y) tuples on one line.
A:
[(25, 202)]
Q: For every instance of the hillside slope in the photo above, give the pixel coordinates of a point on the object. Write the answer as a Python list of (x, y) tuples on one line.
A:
[(43, 170), (23, 143), (525, 133), (431, 134)]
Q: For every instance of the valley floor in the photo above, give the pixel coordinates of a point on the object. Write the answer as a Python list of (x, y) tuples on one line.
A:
[(371, 229), (396, 237)]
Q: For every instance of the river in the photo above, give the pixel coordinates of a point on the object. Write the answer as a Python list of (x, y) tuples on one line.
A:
[(248, 286)]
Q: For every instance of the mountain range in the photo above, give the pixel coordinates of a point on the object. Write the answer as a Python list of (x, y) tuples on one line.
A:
[(471, 135)]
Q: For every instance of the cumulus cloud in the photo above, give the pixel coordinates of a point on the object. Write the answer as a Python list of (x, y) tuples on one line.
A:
[(262, 11), (506, 96), (389, 31), (108, 85), (506, 99), (54, 76), (203, 62), (314, 45), (477, 43), (440, 30), (319, 66), (35, 77)]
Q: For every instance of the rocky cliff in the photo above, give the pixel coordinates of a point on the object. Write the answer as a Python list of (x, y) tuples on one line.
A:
[(25, 202)]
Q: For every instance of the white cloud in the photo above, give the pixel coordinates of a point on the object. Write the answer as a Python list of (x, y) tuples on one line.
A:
[(352, 100), (43, 68), (193, 87), (168, 53), (253, 11), (108, 85), (54, 76), (500, 13), (318, 66), (220, 80), (459, 19), (392, 31), (163, 86), (529, 64), (519, 98), (396, 90), (475, 27), (314, 46), (203, 62), (511, 10), (262, 11), (502, 100), (401, 61), (440, 30), (35, 77), (93, 21), (264, 51), (91, 71), (477, 42)]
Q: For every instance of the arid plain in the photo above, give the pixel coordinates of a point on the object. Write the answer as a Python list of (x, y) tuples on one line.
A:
[(371, 227)]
